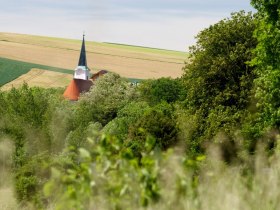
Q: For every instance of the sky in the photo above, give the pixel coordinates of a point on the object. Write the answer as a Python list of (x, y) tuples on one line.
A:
[(167, 24)]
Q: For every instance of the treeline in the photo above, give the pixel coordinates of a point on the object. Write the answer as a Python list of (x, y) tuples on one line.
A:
[(127, 147)]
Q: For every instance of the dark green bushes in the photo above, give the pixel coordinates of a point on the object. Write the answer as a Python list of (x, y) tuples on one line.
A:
[(157, 123), (163, 89)]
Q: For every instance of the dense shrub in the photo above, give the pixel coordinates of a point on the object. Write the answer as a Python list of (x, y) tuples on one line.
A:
[(163, 89), (158, 123), (126, 118)]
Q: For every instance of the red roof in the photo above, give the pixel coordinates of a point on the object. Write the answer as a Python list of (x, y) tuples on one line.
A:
[(98, 74), (76, 87)]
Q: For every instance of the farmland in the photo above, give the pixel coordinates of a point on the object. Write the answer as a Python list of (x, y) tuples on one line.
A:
[(11, 69), (128, 61), (40, 78)]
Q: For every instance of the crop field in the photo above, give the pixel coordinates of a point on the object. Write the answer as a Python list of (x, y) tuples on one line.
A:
[(11, 69), (40, 78), (128, 61)]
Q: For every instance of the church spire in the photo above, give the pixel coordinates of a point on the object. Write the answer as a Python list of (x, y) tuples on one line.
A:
[(83, 57), (82, 71)]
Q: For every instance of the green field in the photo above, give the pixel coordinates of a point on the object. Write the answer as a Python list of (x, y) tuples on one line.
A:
[(11, 69)]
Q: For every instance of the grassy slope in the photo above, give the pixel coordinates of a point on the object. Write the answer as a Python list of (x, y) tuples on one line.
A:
[(11, 69)]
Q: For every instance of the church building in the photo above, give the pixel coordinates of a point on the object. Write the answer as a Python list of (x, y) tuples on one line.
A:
[(82, 81)]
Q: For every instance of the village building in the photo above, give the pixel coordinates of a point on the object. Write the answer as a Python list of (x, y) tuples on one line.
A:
[(82, 80)]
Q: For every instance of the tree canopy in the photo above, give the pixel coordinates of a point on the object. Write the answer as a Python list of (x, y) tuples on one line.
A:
[(218, 79), (267, 61)]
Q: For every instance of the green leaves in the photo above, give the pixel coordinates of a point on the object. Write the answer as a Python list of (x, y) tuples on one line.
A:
[(218, 80), (267, 62), (163, 89), (108, 171), (219, 61)]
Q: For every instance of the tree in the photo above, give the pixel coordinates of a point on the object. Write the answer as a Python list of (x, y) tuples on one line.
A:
[(101, 104), (267, 62), (218, 79)]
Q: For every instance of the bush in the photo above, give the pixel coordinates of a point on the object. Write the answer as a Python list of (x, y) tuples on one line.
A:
[(157, 123), (126, 118)]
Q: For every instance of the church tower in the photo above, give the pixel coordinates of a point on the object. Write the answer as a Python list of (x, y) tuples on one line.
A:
[(81, 81), (82, 71)]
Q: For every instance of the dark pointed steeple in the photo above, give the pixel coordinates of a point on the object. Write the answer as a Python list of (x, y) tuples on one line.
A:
[(83, 57)]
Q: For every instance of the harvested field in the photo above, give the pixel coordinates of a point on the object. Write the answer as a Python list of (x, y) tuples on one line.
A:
[(12, 69), (128, 61), (40, 78)]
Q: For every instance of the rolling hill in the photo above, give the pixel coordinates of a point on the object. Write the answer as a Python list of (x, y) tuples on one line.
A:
[(57, 54)]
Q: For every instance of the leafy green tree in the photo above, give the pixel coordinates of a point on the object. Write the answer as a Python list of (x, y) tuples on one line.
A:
[(217, 78), (101, 104), (267, 62), (268, 8)]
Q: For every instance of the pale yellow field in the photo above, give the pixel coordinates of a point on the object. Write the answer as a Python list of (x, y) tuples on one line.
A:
[(131, 62), (40, 78)]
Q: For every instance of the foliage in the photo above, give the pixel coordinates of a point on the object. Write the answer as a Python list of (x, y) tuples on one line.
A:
[(158, 125), (100, 104), (268, 8), (105, 173), (24, 112), (126, 118), (218, 73), (219, 81), (267, 62), (163, 89)]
